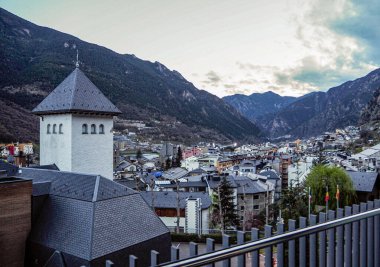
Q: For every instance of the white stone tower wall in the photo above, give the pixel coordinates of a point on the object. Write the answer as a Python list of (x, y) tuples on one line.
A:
[(56, 147), (92, 153)]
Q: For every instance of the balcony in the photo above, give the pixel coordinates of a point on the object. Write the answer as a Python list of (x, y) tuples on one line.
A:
[(346, 237)]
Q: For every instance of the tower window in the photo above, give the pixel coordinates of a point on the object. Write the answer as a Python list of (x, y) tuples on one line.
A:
[(61, 128), (84, 129), (93, 129), (48, 129), (54, 128), (101, 129)]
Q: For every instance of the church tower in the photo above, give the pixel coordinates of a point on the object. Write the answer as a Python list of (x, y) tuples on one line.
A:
[(76, 127)]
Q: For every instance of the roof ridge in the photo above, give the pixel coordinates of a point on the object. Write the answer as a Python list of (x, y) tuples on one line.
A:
[(96, 189), (75, 72)]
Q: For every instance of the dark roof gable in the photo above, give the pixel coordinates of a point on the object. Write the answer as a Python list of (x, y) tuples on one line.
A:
[(76, 94)]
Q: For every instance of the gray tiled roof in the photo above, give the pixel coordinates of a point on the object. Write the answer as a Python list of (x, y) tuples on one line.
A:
[(89, 216), (122, 222), (271, 173), (168, 199), (10, 169), (79, 186), (46, 167), (363, 181), (249, 186), (91, 230), (65, 224), (76, 94), (214, 184)]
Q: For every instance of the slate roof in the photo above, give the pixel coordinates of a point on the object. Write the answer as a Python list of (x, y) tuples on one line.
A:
[(168, 199), (271, 173), (79, 186), (46, 167), (363, 181), (89, 216), (250, 186), (10, 169), (76, 94), (214, 184)]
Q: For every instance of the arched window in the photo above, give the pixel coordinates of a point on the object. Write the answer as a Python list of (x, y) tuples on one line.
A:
[(84, 129), (54, 128), (48, 129), (101, 129), (93, 129), (61, 128)]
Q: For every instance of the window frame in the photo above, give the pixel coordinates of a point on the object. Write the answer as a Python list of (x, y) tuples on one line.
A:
[(93, 128), (101, 129), (84, 128)]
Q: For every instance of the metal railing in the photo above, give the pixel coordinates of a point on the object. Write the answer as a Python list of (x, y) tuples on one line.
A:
[(347, 237)]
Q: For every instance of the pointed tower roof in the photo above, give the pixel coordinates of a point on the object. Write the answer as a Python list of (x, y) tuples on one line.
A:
[(76, 94)]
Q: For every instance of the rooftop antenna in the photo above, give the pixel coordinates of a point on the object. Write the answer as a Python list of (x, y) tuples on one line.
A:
[(77, 62)]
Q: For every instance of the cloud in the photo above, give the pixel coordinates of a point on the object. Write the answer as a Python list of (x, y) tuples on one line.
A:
[(340, 38), (213, 77), (361, 22)]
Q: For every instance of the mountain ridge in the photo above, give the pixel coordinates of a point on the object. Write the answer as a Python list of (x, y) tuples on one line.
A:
[(35, 59)]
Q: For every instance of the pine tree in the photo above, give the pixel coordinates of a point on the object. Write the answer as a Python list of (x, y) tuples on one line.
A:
[(168, 163), (224, 208), (179, 157)]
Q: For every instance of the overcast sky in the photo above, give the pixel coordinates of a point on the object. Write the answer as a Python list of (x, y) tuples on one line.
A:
[(290, 47)]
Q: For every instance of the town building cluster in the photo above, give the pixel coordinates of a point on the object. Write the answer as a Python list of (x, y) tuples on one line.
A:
[(92, 194)]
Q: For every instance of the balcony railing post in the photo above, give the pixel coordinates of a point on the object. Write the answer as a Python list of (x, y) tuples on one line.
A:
[(313, 243), (302, 244), (347, 239), (377, 235), (292, 245), (370, 239), (322, 242), (109, 263), (331, 242), (241, 240), (174, 253), (210, 247), (255, 254), (363, 237), (355, 238), (268, 250), (132, 261), (339, 244), (226, 244), (193, 249), (280, 246), (154, 258)]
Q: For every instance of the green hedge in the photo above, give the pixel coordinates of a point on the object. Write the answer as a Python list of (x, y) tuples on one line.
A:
[(183, 237)]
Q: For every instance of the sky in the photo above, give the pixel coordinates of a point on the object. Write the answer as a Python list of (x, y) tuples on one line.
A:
[(290, 47)]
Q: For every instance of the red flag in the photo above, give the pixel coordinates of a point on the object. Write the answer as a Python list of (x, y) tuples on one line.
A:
[(337, 195), (327, 197)]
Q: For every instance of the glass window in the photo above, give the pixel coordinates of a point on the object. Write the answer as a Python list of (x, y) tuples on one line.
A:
[(48, 129), (54, 128), (61, 128), (256, 207), (101, 129), (93, 129), (84, 129)]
